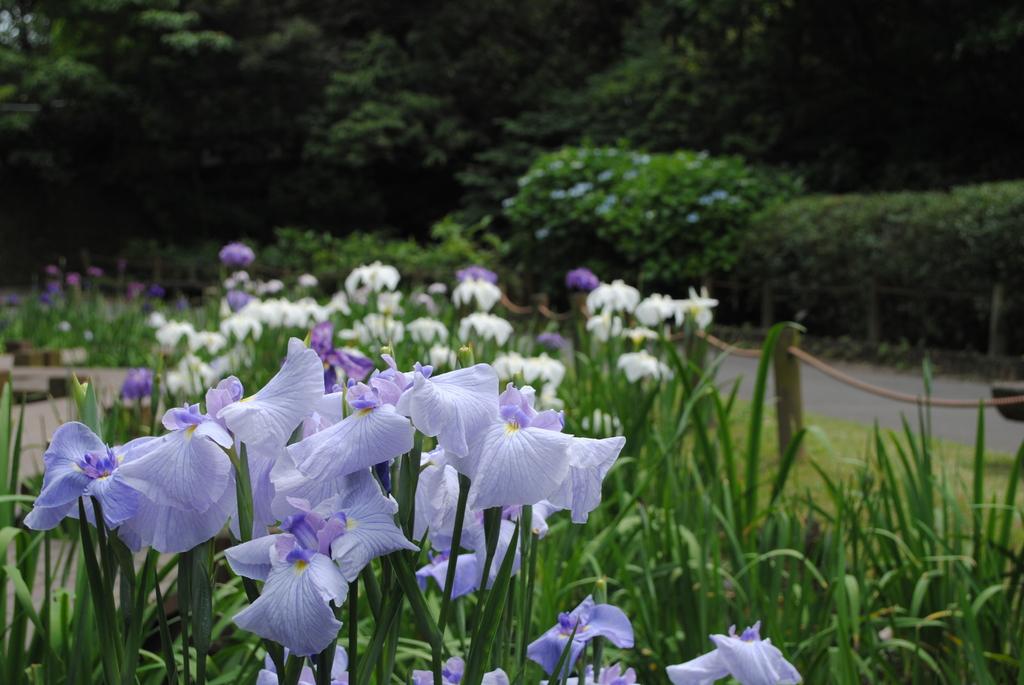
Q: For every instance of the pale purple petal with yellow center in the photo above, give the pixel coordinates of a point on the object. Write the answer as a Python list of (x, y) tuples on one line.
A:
[(181, 469), (453, 407), (509, 464), (370, 528), (293, 609), (589, 462), (269, 417), (366, 437)]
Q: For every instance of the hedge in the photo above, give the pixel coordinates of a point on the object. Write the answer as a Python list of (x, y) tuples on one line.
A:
[(933, 256)]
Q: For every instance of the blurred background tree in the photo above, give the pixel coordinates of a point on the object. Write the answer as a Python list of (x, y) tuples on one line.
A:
[(177, 119)]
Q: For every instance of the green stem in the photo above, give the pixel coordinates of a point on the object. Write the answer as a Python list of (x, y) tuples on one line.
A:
[(453, 553), (353, 629), (102, 602)]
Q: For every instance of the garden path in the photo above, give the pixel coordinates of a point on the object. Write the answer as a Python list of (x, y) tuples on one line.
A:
[(824, 396)]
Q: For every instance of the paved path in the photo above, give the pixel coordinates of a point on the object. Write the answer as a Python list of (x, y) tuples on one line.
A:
[(827, 397)]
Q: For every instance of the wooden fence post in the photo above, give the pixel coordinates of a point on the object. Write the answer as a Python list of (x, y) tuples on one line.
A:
[(996, 334), (767, 305), (874, 317), (788, 400)]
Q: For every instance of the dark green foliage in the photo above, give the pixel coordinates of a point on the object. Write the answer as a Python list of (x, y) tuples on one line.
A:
[(180, 119), (923, 250), (656, 219), (330, 258)]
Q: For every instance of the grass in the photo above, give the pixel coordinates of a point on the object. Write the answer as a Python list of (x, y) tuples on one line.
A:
[(841, 448)]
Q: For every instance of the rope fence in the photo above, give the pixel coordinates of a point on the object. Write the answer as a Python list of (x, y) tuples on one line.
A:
[(809, 359)]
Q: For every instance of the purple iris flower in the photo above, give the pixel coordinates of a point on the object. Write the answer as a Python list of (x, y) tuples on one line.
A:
[(521, 457), (237, 299), (339, 671), (46, 299), (355, 366), (467, 573), (373, 433), (138, 384), (582, 279), (300, 582), (370, 529), (187, 468), (745, 657), (53, 287), (551, 340), (12, 300), (474, 537), (169, 529), (155, 291), (134, 289), (589, 462), (436, 499), (589, 620), (94, 272), (268, 418), (73, 278), (453, 407), (476, 273), (78, 464), (452, 672), (236, 255)]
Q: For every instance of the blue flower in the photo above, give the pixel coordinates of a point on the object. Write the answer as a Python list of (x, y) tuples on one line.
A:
[(589, 620), (581, 189), (692, 217)]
